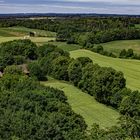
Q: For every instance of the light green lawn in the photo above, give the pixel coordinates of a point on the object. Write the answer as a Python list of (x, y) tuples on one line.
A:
[(117, 46), (22, 31), (137, 25), (37, 40), (86, 105), (130, 68)]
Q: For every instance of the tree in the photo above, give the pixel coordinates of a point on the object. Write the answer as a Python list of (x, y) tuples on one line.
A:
[(130, 104), (75, 72), (106, 83), (60, 68), (123, 53), (36, 71), (13, 70), (129, 53)]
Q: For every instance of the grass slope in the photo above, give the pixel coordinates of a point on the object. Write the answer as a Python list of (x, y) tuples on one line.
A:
[(130, 68), (86, 105), (65, 46), (37, 40), (22, 31), (117, 46), (137, 26)]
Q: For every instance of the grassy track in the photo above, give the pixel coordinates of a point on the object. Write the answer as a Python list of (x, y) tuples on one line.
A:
[(130, 68), (37, 40), (117, 46), (86, 105)]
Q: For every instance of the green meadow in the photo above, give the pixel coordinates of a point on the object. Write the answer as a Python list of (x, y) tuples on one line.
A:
[(117, 46), (85, 105), (22, 31), (38, 40)]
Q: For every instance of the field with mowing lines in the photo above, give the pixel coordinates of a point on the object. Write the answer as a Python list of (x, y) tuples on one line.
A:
[(37, 40), (130, 68), (86, 105), (117, 46), (22, 31)]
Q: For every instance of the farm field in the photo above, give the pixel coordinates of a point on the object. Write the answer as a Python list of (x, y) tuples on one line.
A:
[(130, 68), (137, 25), (22, 31), (117, 46), (38, 40), (86, 105)]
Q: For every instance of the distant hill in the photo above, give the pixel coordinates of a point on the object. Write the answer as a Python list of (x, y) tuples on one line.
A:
[(28, 15)]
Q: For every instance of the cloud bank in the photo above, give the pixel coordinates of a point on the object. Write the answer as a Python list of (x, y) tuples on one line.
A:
[(71, 6)]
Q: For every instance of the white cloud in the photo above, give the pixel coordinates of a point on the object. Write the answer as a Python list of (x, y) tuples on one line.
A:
[(44, 8), (133, 2)]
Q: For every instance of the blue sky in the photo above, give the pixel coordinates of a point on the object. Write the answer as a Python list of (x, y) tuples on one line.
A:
[(71, 6)]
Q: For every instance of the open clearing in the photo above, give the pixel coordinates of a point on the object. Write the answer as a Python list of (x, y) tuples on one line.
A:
[(86, 105), (117, 46), (130, 68)]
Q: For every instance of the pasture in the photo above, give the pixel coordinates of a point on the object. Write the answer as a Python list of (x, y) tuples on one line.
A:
[(130, 68), (117, 46), (85, 105), (37, 40), (22, 31)]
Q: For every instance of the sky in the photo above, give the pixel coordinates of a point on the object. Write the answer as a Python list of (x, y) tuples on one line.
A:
[(71, 6)]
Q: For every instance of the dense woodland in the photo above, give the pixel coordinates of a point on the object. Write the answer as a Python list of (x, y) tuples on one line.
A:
[(32, 111)]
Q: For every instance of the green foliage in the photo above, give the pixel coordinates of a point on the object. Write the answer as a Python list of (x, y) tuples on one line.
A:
[(46, 49), (24, 48), (36, 71), (75, 72), (18, 60), (130, 104), (60, 68), (6, 59), (36, 112), (107, 82), (13, 70), (123, 53)]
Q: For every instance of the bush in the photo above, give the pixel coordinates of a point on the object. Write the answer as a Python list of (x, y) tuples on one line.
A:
[(36, 71), (13, 70)]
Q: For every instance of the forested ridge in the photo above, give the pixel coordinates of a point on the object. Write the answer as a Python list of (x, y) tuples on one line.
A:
[(86, 31)]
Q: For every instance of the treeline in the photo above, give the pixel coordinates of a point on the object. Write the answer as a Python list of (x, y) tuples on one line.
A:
[(106, 84), (73, 24), (33, 112)]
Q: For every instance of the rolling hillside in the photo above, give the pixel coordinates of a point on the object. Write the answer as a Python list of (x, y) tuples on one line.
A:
[(86, 105), (22, 31), (130, 68), (117, 46), (38, 40)]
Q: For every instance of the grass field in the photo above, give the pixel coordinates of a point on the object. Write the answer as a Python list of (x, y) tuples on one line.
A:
[(86, 105), (65, 46), (117, 46), (37, 40), (137, 25), (130, 68), (22, 31)]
